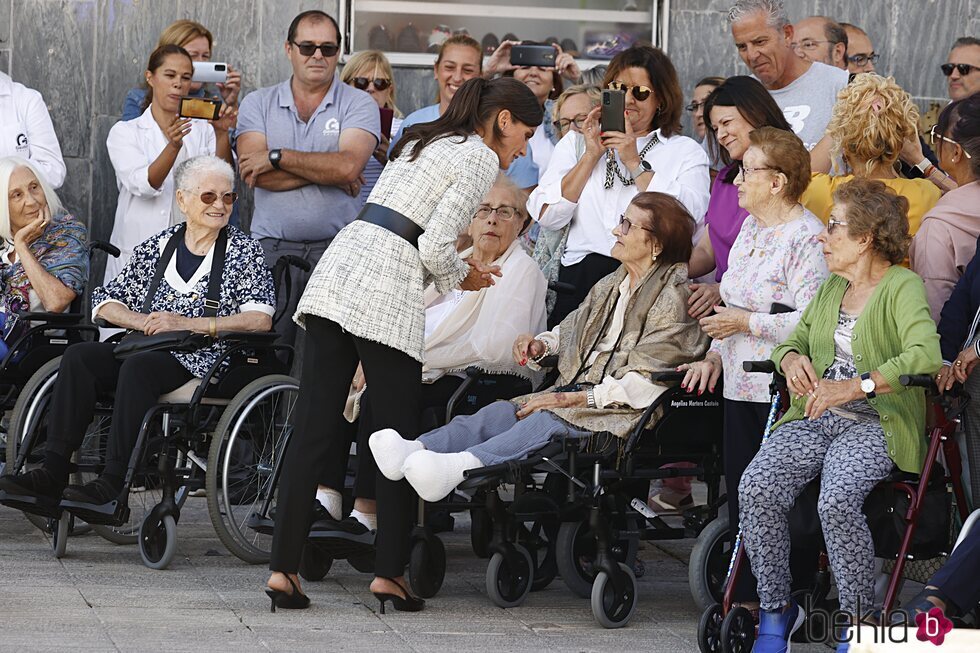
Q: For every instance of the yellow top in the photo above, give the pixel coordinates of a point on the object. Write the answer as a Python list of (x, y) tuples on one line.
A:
[(921, 194)]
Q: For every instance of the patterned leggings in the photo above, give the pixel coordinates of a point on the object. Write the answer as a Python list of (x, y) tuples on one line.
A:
[(852, 457)]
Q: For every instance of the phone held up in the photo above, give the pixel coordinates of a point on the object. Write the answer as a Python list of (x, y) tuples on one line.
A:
[(612, 117), (196, 107), (542, 56), (210, 71)]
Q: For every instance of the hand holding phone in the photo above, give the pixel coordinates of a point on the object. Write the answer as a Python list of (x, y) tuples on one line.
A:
[(204, 108)]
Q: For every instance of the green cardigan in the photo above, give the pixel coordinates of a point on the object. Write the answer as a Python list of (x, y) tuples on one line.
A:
[(894, 335)]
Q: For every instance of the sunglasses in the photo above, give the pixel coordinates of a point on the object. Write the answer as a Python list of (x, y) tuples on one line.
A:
[(326, 49), (963, 69), (639, 92), (934, 136), (227, 199), (863, 59), (625, 225), (363, 83)]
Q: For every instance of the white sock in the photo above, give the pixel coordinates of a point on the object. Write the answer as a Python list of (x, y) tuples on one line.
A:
[(331, 500), (369, 520), (390, 452), (434, 475)]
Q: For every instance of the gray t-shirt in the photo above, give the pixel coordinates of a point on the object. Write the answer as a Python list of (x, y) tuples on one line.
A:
[(310, 213), (809, 100)]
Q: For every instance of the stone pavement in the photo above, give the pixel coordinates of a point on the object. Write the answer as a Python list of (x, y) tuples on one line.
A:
[(99, 597)]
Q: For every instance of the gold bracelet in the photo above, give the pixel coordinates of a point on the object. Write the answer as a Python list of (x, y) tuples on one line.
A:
[(213, 328)]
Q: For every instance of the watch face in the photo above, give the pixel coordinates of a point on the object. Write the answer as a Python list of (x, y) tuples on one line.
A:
[(867, 385)]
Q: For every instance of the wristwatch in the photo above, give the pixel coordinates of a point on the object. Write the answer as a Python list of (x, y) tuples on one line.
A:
[(640, 169), (275, 156), (868, 385)]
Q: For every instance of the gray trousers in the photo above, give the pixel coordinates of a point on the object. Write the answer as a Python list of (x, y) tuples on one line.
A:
[(851, 457), (495, 435)]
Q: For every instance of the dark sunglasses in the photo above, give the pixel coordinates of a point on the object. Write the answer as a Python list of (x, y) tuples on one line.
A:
[(363, 83), (639, 92), (210, 196), (964, 69), (326, 49)]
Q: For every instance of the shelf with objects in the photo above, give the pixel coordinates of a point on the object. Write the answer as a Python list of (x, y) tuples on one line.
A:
[(410, 32)]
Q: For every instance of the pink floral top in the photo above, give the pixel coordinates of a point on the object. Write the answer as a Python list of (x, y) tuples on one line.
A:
[(767, 265)]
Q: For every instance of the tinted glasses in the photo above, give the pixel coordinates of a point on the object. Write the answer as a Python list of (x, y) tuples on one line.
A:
[(963, 69), (639, 92), (326, 49), (378, 83), (210, 196), (625, 225)]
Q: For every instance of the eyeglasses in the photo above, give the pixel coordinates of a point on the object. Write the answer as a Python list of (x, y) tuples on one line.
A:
[(832, 225), (694, 106), (563, 124), (963, 69), (809, 45), (934, 136), (504, 213), (863, 59), (363, 83), (326, 49), (625, 225), (639, 92), (743, 171), (209, 197)]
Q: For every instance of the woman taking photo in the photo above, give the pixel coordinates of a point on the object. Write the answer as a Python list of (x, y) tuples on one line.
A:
[(733, 110), (364, 303), (775, 260), (589, 191), (145, 151)]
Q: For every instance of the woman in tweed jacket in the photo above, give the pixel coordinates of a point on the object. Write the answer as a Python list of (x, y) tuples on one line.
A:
[(364, 304)]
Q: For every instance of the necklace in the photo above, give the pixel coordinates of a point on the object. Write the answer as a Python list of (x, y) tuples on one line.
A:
[(612, 168)]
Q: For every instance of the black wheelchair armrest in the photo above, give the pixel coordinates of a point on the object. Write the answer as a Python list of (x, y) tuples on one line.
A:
[(561, 287), (108, 248), (666, 376), (759, 367), (917, 381), (53, 318), (248, 337)]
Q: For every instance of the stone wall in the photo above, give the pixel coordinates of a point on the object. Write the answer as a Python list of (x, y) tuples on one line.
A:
[(83, 55)]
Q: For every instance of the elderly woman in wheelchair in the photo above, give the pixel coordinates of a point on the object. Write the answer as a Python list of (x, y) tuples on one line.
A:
[(198, 277), (632, 323), (462, 330), (850, 419)]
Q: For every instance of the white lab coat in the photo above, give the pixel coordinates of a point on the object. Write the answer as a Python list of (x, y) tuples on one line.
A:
[(143, 211), (26, 130)]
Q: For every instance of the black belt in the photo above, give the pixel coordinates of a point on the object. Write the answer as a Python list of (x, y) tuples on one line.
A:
[(393, 221)]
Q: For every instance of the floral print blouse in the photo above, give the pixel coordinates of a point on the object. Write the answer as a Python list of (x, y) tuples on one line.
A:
[(246, 285), (783, 264), (61, 250)]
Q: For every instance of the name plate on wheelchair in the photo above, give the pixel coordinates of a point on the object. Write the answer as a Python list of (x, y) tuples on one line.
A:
[(694, 403), (58, 341)]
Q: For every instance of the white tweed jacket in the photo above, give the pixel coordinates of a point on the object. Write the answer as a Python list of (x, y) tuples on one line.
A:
[(370, 281)]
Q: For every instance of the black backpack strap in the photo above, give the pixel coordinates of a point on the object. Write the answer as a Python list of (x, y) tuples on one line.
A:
[(168, 253), (212, 302)]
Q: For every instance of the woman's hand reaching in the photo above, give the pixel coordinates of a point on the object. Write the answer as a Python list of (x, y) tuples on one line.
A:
[(702, 375), (480, 275), (527, 347)]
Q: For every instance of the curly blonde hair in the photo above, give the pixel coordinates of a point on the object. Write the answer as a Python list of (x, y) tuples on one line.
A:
[(871, 120)]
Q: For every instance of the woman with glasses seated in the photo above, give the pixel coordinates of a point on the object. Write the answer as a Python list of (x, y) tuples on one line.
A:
[(774, 269), (589, 190), (370, 71)]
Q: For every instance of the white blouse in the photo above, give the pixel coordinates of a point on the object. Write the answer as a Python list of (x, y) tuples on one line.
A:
[(680, 168), (144, 211)]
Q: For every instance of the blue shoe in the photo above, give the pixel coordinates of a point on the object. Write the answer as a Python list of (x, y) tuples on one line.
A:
[(776, 627)]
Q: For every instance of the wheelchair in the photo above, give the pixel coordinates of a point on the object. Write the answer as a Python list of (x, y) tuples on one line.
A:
[(896, 509), (229, 416)]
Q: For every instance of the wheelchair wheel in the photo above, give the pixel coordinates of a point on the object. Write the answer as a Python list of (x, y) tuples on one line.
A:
[(481, 531), (59, 534), (737, 631), (510, 576), (709, 630), (314, 564), (248, 442), (427, 565), (158, 541), (575, 553), (708, 565), (611, 608)]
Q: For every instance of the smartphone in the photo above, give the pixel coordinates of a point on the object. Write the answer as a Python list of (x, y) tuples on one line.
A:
[(542, 56), (386, 117), (612, 118), (197, 107), (210, 71)]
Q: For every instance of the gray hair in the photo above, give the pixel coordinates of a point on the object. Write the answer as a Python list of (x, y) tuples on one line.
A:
[(775, 11), (188, 173), (517, 194), (594, 75), (7, 166)]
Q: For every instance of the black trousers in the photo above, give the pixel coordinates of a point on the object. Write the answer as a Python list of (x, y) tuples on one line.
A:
[(583, 275), (331, 357), (745, 422), (434, 398), (90, 369), (959, 578)]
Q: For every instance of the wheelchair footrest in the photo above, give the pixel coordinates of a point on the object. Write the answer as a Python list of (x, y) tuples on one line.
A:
[(260, 524), (340, 545), (41, 506), (113, 513)]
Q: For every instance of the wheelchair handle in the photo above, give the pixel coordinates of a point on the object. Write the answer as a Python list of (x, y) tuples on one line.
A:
[(108, 248), (760, 367), (561, 287), (664, 376), (918, 381)]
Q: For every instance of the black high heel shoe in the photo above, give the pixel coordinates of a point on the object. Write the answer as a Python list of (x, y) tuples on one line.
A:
[(407, 604), (294, 600)]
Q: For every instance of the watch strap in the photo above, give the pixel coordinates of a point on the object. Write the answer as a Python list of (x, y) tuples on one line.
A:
[(274, 158), (640, 169)]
